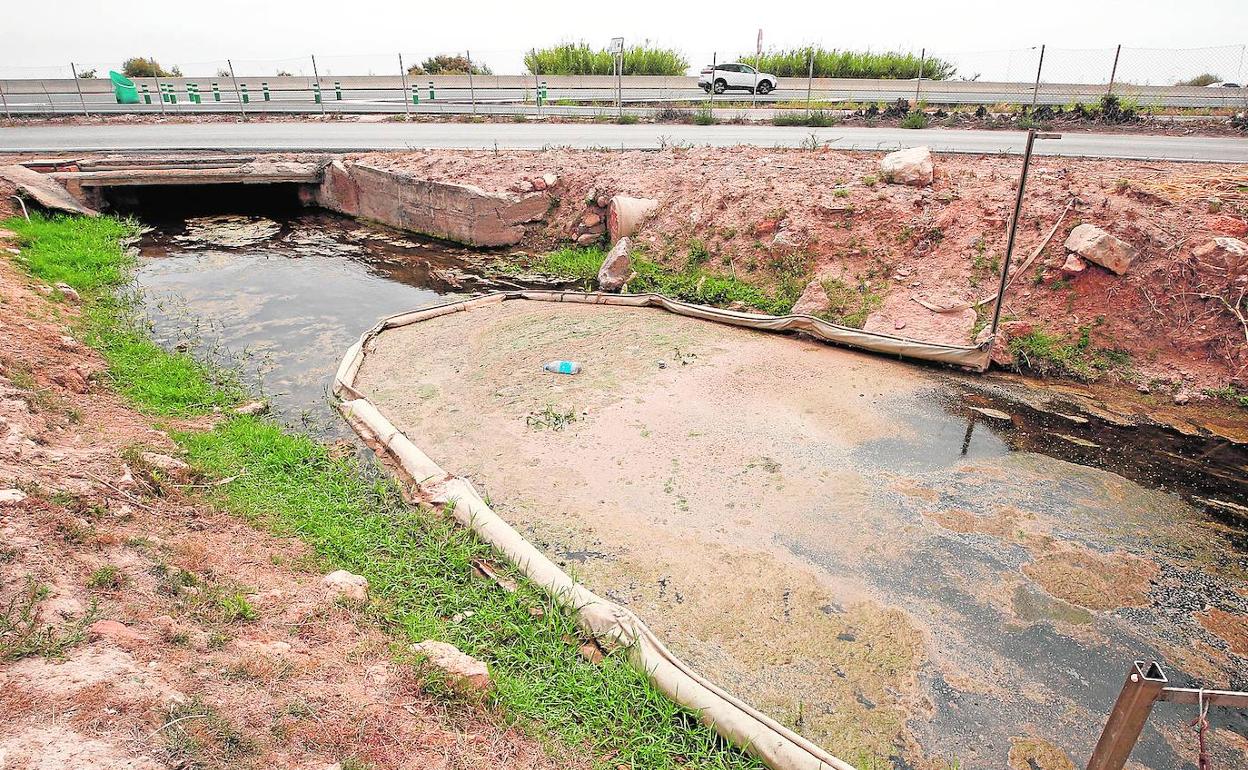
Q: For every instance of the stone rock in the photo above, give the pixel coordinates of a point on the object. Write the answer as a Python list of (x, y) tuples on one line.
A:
[(814, 300), (1227, 225), (114, 631), (171, 466), (252, 407), (1095, 245), (464, 673), (1224, 252), (523, 185), (603, 201), (550, 179), (347, 585), (625, 215), (584, 239), (911, 166), (11, 496), (72, 380), (538, 183), (1074, 265), (591, 219), (617, 266), (69, 292)]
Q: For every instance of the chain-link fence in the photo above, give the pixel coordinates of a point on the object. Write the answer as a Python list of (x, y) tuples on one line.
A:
[(498, 80)]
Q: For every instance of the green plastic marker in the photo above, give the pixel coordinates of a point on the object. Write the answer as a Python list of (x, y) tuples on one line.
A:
[(264, 88), (216, 93), (337, 90)]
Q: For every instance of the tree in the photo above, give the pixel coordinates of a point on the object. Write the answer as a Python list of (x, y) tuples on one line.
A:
[(86, 74), (449, 64), (139, 67), (1200, 80)]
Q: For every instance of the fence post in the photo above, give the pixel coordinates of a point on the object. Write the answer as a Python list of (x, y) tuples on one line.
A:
[(1035, 91), (5, 99), (710, 109), (536, 95), (432, 96), (264, 89), (919, 85), (407, 110), (337, 90), (472, 89), (74, 71), (1113, 73), (810, 79), (237, 95), (317, 93)]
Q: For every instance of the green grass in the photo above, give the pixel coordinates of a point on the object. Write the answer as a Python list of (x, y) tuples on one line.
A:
[(815, 119), (834, 63), (850, 305), (418, 562), (1048, 354), (88, 254), (572, 262), (705, 116), (580, 59), (23, 634), (1230, 394), (916, 119)]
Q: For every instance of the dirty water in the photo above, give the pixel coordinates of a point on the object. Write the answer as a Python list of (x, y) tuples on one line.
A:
[(915, 583)]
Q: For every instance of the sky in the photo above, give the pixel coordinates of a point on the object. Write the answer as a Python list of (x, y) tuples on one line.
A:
[(365, 36)]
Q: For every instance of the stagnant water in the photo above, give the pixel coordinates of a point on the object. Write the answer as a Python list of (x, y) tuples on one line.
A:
[(285, 300)]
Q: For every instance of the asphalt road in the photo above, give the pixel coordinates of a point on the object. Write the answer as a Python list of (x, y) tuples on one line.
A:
[(348, 136)]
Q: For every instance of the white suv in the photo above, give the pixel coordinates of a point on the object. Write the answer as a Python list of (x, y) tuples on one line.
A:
[(738, 76)]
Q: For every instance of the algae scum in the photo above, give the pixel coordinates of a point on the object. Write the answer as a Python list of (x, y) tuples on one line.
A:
[(1017, 565)]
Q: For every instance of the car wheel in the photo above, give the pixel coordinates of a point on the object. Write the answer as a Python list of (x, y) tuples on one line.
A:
[(721, 86), (764, 87)]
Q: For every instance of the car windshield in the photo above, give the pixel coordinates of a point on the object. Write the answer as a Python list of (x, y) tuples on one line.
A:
[(747, 69)]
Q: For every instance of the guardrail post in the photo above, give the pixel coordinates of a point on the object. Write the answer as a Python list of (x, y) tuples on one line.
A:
[(216, 92), (544, 93), (173, 95), (147, 95), (337, 90), (415, 93), (246, 98), (5, 99), (317, 74), (192, 93), (472, 89), (264, 89), (431, 96)]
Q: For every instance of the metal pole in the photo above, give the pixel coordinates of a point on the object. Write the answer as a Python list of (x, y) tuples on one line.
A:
[(407, 108), (237, 95), (758, 57), (537, 88), (5, 99), (714, 65), (1126, 720), (619, 81), (1113, 73), (1035, 91), (472, 89), (317, 75), (918, 85), (1009, 241), (810, 78), (74, 71), (159, 90)]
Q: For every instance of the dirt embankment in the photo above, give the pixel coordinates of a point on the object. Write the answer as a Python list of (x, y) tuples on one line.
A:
[(780, 217), (147, 631)]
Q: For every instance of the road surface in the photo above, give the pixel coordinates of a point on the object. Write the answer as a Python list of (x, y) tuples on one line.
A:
[(343, 137)]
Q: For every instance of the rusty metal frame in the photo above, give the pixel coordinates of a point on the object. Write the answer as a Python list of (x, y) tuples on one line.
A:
[(1145, 685)]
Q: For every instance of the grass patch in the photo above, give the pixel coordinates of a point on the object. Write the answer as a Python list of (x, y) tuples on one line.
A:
[(89, 255), (916, 119), (704, 116), (835, 63), (815, 119), (1049, 354), (580, 59), (418, 562), (1230, 394), (850, 305), (106, 578)]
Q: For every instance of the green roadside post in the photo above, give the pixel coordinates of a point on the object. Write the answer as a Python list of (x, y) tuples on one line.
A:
[(337, 90), (431, 96), (316, 92), (415, 93), (192, 93), (545, 93), (147, 95), (264, 89), (216, 93), (246, 96)]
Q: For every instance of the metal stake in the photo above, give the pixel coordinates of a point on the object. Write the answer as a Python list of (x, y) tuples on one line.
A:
[(810, 77), (407, 108), (1035, 91), (472, 90), (74, 71), (537, 87), (919, 84), (317, 75), (1009, 240), (237, 95), (1113, 73), (619, 79), (1128, 716), (714, 65), (160, 90), (5, 99), (758, 58)]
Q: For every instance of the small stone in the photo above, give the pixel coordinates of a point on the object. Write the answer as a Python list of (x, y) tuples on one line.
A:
[(524, 185), (995, 414), (603, 201), (72, 380), (814, 300), (617, 266), (1214, 204), (911, 166), (1095, 245), (591, 219), (166, 464), (11, 496), (1074, 265), (463, 672), (538, 183), (1226, 252), (899, 324), (69, 292), (114, 631), (68, 342), (252, 408), (550, 179), (584, 239), (347, 585), (1182, 398)]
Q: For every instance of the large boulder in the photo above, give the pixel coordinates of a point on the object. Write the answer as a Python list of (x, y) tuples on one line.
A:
[(911, 166), (617, 267), (625, 215), (463, 672), (814, 300), (1095, 245)]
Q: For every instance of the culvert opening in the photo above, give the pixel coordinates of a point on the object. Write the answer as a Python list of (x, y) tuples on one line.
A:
[(163, 203)]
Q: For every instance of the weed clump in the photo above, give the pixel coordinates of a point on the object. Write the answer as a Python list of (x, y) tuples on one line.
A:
[(850, 305), (1048, 354)]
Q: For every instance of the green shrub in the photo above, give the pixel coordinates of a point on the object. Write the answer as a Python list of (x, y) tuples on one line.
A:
[(849, 305), (814, 119), (448, 64), (704, 116), (138, 67), (833, 63), (916, 119), (580, 59), (1049, 354), (1200, 80)]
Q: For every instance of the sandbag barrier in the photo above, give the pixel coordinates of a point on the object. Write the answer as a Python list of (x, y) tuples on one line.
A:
[(607, 622)]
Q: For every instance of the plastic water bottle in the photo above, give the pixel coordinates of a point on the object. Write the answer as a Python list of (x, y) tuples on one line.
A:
[(562, 367)]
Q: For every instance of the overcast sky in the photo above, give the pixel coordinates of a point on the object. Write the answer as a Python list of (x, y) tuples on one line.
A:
[(196, 35)]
